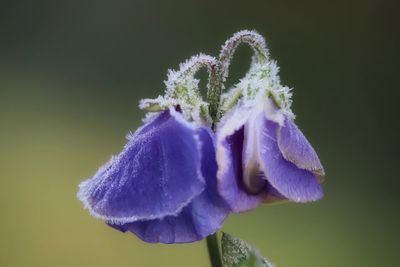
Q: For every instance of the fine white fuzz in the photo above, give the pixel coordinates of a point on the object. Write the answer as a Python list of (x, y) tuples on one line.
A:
[(250, 37), (182, 89), (187, 69), (260, 83)]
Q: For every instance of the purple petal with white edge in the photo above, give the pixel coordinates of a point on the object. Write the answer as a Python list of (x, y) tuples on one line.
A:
[(295, 184), (230, 174), (156, 175), (252, 175), (202, 217), (296, 148), (170, 229), (195, 222), (210, 209)]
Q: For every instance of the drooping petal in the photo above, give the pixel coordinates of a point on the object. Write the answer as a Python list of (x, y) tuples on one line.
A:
[(195, 222), (210, 209), (156, 175), (170, 229), (296, 148), (295, 184), (230, 173), (202, 217), (252, 174), (272, 195)]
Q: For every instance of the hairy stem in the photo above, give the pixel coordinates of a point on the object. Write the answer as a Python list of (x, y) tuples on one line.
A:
[(219, 73), (189, 68), (215, 85), (252, 38), (214, 250)]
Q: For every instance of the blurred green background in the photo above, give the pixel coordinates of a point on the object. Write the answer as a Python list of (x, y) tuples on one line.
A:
[(72, 73)]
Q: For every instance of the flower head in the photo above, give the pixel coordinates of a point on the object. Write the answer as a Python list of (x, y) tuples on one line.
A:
[(193, 161), (261, 153), (162, 186)]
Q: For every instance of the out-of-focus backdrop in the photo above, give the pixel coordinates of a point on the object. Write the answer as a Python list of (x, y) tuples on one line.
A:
[(72, 73)]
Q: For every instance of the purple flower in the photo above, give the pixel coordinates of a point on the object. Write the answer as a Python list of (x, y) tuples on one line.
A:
[(176, 180), (264, 157), (162, 186)]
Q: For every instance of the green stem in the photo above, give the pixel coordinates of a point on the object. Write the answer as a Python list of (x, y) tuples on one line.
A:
[(213, 250), (214, 91), (252, 38), (219, 71)]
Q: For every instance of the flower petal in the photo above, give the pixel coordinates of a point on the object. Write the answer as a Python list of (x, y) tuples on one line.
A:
[(252, 174), (202, 217), (170, 229), (230, 173), (293, 183), (196, 221), (296, 148), (156, 175), (210, 209)]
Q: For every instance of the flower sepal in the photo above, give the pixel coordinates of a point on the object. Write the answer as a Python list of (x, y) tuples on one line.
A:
[(182, 90)]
